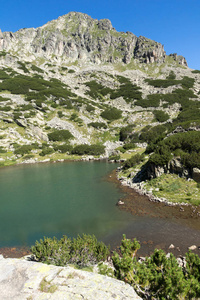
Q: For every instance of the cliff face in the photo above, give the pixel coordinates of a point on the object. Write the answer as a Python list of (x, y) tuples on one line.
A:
[(76, 36)]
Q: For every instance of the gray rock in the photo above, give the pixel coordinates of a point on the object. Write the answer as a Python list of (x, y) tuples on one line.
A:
[(76, 36), (193, 247), (179, 58), (21, 122), (196, 174), (21, 279)]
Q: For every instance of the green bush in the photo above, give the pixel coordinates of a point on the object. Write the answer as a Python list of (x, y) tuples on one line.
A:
[(74, 117), (5, 108), (187, 82), (35, 68), (83, 251), (22, 84), (60, 135), (3, 53), (4, 75), (111, 114), (2, 150), (186, 144), (98, 125), (160, 115), (63, 148), (3, 99), (158, 276), (88, 149), (23, 67), (152, 100), (133, 161), (151, 134), (196, 71), (121, 149), (60, 114), (114, 157), (28, 156), (97, 90), (46, 150), (164, 83), (26, 107), (127, 90), (161, 158), (25, 149), (39, 102), (54, 105), (128, 146), (64, 68), (90, 108), (171, 75), (125, 132)]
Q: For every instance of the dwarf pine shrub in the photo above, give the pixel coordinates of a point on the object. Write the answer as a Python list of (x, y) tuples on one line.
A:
[(83, 251)]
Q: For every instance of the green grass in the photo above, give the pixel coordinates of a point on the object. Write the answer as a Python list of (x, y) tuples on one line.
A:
[(175, 189), (47, 287)]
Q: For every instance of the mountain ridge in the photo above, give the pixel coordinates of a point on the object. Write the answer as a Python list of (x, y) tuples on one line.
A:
[(76, 36)]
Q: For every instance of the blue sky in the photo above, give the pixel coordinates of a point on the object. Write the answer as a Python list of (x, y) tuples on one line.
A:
[(175, 24)]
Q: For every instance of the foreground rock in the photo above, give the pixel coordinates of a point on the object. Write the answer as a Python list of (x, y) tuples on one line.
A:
[(21, 279)]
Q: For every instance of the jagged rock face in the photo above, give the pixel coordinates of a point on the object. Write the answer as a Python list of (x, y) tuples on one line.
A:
[(149, 51), (174, 167), (179, 58), (77, 36)]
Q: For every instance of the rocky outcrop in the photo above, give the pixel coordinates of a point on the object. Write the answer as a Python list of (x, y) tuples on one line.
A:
[(174, 166), (21, 279), (179, 58), (76, 36), (149, 51), (196, 174)]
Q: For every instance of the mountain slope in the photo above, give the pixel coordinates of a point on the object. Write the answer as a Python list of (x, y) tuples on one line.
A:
[(76, 87)]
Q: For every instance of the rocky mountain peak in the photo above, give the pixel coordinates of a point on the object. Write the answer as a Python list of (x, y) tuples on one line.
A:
[(76, 36)]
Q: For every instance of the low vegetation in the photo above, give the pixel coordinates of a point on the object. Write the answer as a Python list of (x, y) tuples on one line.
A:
[(160, 116), (60, 135), (186, 82), (133, 161), (174, 189), (83, 251), (111, 114), (156, 277), (185, 144), (88, 150)]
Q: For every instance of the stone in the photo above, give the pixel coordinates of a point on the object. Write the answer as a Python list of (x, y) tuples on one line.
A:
[(120, 202), (196, 174), (21, 280), (193, 247)]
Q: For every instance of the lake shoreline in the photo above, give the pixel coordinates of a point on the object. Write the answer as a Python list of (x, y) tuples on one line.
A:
[(137, 205)]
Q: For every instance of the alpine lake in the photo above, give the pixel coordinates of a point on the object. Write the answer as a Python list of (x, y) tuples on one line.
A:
[(71, 198)]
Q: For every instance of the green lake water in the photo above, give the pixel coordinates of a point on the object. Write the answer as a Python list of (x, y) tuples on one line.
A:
[(72, 198), (55, 199)]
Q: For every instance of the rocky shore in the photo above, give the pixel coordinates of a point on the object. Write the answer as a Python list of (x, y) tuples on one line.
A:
[(140, 189)]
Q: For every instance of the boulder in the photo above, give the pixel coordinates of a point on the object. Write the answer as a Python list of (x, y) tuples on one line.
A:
[(196, 174), (21, 280)]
